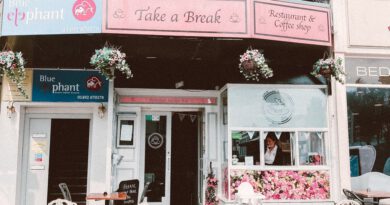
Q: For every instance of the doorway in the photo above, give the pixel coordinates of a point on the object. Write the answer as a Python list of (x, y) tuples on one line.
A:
[(184, 178), (68, 158), (170, 157), (55, 151)]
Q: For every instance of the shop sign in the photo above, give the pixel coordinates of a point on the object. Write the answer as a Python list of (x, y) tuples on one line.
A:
[(223, 18), (368, 23), (291, 22), (69, 86), (367, 71), (31, 17)]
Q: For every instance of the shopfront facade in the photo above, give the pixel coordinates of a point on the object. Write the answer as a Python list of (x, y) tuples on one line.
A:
[(363, 100), (187, 108)]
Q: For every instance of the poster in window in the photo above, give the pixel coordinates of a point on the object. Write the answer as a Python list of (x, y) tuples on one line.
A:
[(126, 133)]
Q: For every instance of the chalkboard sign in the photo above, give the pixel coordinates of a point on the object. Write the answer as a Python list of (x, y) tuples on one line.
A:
[(131, 188)]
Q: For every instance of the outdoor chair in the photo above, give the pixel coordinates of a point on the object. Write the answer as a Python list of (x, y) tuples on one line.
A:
[(65, 191), (367, 156), (144, 200), (352, 196), (246, 195), (386, 168), (347, 202), (61, 202)]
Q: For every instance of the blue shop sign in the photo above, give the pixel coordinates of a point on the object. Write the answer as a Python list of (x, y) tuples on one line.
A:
[(69, 86), (34, 17)]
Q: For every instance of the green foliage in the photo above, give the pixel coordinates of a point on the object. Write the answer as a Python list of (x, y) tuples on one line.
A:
[(12, 66)]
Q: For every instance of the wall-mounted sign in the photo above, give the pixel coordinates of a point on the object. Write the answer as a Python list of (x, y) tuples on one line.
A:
[(368, 23), (291, 22), (69, 86), (32, 17), (367, 70), (223, 18), (10, 90)]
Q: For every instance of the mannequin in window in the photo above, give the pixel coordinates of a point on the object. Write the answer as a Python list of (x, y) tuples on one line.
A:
[(273, 153)]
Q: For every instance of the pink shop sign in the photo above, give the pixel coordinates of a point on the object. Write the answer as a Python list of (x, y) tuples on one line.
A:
[(211, 18), (291, 22)]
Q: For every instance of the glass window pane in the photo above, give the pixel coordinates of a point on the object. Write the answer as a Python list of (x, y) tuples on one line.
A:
[(311, 148), (155, 148), (245, 148), (368, 124), (278, 148)]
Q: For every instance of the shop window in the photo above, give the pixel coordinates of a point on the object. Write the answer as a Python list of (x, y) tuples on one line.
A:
[(278, 148), (245, 148), (368, 126), (311, 148), (281, 154)]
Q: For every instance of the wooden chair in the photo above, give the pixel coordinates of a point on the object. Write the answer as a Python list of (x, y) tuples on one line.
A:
[(61, 202)]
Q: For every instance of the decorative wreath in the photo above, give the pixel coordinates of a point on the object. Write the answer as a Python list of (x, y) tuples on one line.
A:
[(329, 67), (108, 59), (12, 66), (253, 66)]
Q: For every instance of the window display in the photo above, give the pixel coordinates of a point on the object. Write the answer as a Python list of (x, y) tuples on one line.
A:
[(311, 148)]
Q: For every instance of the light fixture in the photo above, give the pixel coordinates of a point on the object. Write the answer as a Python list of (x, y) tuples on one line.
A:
[(10, 109), (101, 110)]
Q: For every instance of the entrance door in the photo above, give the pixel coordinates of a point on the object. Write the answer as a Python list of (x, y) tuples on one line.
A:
[(156, 141), (54, 152), (170, 144), (184, 174)]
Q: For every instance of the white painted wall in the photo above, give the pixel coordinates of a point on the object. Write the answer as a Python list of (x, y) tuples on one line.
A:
[(11, 130)]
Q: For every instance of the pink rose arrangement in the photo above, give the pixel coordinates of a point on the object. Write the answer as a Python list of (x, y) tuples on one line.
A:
[(297, 185)]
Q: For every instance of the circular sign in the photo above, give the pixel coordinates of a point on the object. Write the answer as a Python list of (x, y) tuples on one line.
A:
[(155, 140), (278, 107), (83, 10)]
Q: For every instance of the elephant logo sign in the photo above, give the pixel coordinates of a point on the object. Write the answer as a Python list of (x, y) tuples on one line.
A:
[(83, 10)]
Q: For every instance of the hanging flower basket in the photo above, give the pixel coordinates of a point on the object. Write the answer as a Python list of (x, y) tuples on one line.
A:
[(12, 66), (108, 59), (253, 66), (329, 67)]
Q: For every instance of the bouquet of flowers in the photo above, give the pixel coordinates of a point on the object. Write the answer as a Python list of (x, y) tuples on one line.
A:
[(253, 66), (211, 190), (12, 66), (329, 67), (108, 59)]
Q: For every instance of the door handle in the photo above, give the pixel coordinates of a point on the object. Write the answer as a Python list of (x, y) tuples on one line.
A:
[(169, 164)]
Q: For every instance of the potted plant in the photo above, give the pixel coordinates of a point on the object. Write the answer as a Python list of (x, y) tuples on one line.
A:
[(253, 65), (12, 66), (329, 67), (108, 59)]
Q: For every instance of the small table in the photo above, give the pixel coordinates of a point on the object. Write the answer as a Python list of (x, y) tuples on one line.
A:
[(116, 196), (373, 194)]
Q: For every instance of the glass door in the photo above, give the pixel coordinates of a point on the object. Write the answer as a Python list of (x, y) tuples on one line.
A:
[(156, 143)]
